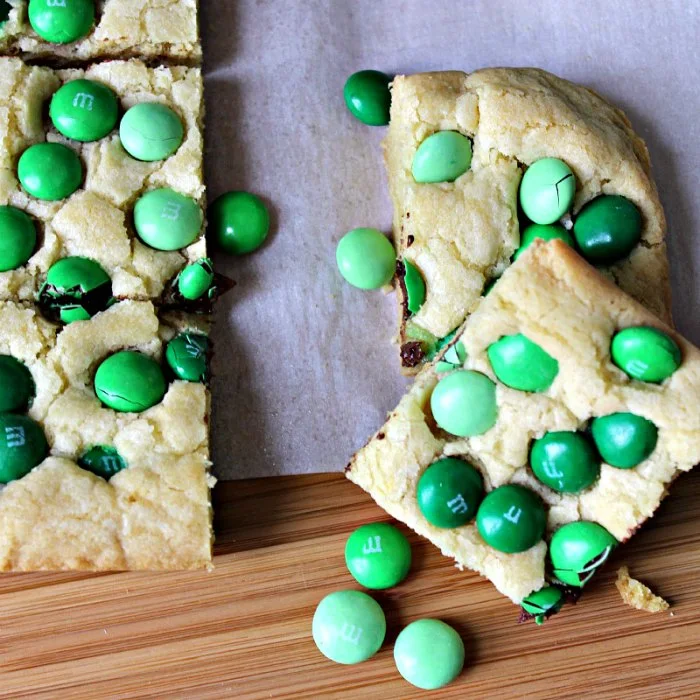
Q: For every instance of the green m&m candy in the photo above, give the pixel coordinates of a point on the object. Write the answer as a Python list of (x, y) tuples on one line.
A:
[(607, 229), (454, 358), (186, 355), (368, 98), (624, 439), (130, 382), (196, 279), (464, 403), (449, 492), (238, 223), (102, 460), (167, 220), (366, 258), (645, 353), (16, 385), (17, 238), (429, 654), (22, 446), (547, 190), (543, 603), (564, 461), (84, 110), (547, 232), (378, 555), (578, 549), (50, 171), (348, 627), (150, 131), (442, 157), (521, 364), (61, 21), (76, 288), (415, 287), (511, 519)]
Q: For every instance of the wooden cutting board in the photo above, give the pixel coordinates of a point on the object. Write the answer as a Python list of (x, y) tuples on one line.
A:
[(243, 630)]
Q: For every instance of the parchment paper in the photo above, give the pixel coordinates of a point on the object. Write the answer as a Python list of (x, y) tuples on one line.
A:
[(304, 367)]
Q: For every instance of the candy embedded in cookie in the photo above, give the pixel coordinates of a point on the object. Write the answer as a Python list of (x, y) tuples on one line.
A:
[(50, 171), (578, 549), (151, 131), (61, 22), (564, 461), (84, 110), (103, 460), (543, 603), (645, 353), (16, 385), (442, 157), (22, 446), (18, 240), (187, 356), (196, 280), (167, 220)]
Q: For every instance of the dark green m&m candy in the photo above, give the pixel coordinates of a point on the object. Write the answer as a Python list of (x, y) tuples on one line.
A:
[(415, 287), (167, 220), (449, 492), (645, 353), (368, 98), (578, 549), (547, 190), (378, 555), (511, 519), (150, 131), (130, 382), (76, 288), (624, 439), (186, 355), (16, 385), (61, 21), (543, 603), (464, 403), (238, 223), (196, 279), (607, 229), (22, 446), (547, 232), (521, 364), (17, 238), (84, 110), (50, 171), (442, 157), (102, 460), (564, 461)]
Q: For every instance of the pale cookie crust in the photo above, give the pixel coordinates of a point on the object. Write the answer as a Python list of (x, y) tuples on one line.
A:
[(96, 221), (460, 235), (561, 303), (152, 29), (635, 594), (156, 514)]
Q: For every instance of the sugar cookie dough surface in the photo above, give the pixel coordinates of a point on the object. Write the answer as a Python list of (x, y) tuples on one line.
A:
[(462, 234), (561, 303)]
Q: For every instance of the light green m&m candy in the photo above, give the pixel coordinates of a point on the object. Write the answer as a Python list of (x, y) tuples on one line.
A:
[(547, 190), (150, 131), (565, 461), (186, 355), (61, 21), (547, 232), (429, 654), (645, 353), (17, 238), (348, 627), (102, 460), (16, 385), (521, 364), (22, 446), (449, 492), (511, 519), (366, 258), (50, 171), (130, 382), (167, 220), (196, 279), (84, 110), (368, 98), (239, 223), (378, 555), (442, 157), (464, 403), (624, 439), (578, 549)]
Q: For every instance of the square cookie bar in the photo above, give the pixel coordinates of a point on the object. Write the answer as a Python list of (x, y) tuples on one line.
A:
[(151, 29), (97, 219), (89, 487), (546, 434), (456, 151)]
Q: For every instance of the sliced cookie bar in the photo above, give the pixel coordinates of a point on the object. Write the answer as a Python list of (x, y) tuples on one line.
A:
[(547, 433), (457, 222)]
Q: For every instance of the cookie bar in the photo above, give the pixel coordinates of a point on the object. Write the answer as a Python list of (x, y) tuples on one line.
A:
[(151, 29), (146, 505), (532, 366), (460, 229), (97, 220)]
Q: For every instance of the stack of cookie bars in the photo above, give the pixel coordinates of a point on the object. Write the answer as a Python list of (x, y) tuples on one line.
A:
[(153, 511)]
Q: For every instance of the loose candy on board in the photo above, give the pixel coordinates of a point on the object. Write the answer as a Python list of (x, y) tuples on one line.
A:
[(578, 549), (368, 97), (378, 555), (239, 223), (366, 258)]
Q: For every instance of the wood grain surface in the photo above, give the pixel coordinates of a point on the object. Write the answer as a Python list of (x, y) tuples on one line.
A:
[(243, 630)]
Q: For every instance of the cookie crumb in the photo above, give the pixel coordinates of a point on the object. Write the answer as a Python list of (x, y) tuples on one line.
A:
[(637, 595)]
